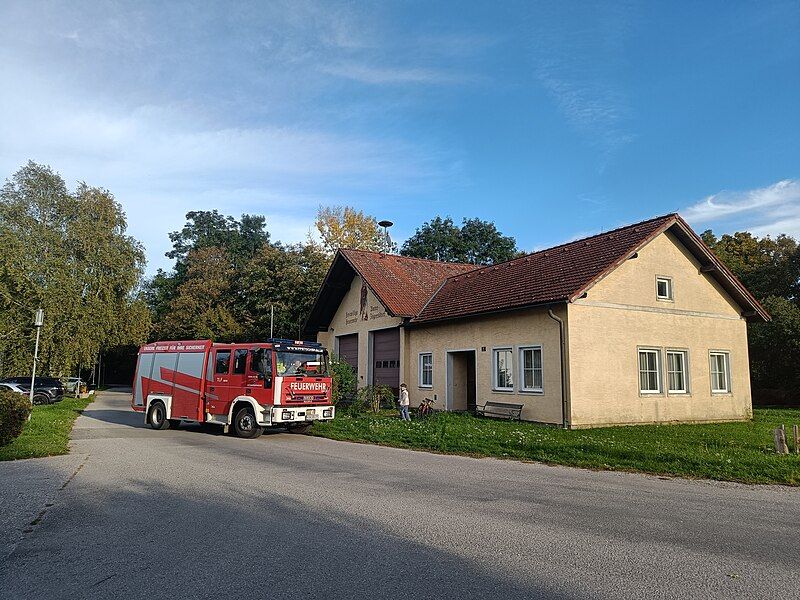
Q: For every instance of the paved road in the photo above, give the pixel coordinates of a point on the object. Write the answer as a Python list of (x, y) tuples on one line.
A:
[(137, 513)]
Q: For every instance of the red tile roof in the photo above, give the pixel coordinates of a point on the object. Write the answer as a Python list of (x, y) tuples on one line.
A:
[(401, 283), (552, 275), (427, 291)]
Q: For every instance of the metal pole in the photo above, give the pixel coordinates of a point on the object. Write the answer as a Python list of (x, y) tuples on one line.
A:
[(271, 319), (38, 321)]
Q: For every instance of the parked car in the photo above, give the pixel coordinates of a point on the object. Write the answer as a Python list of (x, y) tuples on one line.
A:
[(38, 397), (50, 386), (72, 385)]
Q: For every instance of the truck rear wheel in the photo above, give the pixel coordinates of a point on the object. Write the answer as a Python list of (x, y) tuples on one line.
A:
[(305, 428), (245, 425), (158, 416)]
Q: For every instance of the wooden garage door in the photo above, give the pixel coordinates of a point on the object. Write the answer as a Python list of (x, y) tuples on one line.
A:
[(386, 357), (348, 350)]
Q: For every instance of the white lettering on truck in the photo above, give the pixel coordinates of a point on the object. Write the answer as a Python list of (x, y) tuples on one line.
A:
[(308, 386)]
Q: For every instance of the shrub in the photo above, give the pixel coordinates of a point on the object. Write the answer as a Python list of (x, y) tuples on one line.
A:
[(374, 397), (14, 411), (343, 385)]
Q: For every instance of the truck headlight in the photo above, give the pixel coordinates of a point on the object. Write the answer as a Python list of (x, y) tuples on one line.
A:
[(286, 415), (327, 413)]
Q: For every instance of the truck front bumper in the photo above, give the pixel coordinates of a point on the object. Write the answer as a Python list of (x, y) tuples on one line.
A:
[(302, 414)]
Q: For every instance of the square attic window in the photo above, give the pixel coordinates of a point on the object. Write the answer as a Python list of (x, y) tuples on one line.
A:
[(663, 288)]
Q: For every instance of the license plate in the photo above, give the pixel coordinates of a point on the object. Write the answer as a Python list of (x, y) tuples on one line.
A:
[(311, 414)]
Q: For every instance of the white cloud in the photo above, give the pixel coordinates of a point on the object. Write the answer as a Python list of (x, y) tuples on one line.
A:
[(394, 75), (769, 210)]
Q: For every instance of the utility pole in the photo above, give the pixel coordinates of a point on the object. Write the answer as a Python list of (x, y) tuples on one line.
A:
[(271, 320), (38, 321)]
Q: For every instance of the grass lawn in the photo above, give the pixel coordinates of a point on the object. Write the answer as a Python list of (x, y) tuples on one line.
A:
[(729, 451), (48, 431)]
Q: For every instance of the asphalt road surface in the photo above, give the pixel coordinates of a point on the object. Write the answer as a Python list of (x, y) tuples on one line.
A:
[(137, 513)]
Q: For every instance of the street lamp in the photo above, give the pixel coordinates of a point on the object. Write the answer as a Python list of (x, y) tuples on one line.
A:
[(38, 321), (387, 241)]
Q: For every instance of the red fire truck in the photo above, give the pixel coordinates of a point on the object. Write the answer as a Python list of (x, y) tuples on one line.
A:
[(278, 382)]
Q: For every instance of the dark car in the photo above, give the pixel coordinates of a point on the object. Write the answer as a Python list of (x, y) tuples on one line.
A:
[(50, 386)]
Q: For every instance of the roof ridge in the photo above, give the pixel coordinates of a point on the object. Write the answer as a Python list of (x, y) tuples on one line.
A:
[(402, 256), (577, 241)]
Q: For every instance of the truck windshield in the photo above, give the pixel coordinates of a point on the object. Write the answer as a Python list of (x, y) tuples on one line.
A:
[(302, 363)]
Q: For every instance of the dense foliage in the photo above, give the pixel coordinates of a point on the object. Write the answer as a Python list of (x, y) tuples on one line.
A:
[(770, 268), (476, 242), (229, 277), (343, 381), (68, 253), (14, 411)]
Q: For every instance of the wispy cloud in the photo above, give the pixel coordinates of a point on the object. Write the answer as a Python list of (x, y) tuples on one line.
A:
[(769, 210), (580, 69), (396, 75)]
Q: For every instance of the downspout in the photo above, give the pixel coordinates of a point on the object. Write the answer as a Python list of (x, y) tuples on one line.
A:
[(564, 401)]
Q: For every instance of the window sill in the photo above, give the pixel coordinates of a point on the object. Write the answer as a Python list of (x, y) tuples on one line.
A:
[(532, 392), (425, 387), (503, 390)]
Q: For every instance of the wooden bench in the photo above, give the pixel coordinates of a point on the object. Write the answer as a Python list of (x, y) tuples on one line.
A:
[(499, 410)]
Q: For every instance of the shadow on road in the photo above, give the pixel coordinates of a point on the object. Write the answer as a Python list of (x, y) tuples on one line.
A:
[(148, 541)]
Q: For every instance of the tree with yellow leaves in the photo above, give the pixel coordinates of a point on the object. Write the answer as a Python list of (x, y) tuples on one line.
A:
[(346, 227)]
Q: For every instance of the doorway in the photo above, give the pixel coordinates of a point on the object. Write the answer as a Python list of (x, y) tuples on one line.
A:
[(461, 380)]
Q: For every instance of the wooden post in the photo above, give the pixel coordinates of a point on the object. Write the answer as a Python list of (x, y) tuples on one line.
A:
[(796, 432), (780, 440)]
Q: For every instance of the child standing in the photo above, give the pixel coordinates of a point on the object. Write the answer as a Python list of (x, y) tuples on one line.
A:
[(404, 402)]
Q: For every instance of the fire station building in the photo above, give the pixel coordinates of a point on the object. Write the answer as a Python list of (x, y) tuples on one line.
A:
[(642, 324)]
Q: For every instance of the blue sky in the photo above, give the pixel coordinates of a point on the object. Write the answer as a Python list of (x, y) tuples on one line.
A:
[(553, 119)]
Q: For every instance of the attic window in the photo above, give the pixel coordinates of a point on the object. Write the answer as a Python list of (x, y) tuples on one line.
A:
[(664, 288)]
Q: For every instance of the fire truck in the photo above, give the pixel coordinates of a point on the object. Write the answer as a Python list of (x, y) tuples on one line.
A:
[(243, 387)]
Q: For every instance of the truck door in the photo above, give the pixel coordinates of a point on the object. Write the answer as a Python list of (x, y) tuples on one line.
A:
[(219, 399), (238, 378), (259, 376)]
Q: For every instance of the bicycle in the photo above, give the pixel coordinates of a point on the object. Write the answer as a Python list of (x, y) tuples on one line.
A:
[(425, 409)]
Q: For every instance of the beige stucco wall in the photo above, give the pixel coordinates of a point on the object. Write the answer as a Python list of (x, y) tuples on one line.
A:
[(516, 329), (622, 313), (349, 318)]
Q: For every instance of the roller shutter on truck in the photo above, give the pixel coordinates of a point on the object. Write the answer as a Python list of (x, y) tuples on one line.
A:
[(348, 350), (386, 358)]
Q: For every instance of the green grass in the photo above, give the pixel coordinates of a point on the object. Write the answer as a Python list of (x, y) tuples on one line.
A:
[(48, 431), (741, 451)]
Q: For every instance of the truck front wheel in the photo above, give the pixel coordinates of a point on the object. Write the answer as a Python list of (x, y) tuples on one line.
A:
[(244, 425), (158, 416)]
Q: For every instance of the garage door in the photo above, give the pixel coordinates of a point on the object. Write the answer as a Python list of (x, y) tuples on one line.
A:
[(386, 353), (348, 350)]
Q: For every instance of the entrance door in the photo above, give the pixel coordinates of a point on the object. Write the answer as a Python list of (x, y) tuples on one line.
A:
[(461, 380), (386, 358)]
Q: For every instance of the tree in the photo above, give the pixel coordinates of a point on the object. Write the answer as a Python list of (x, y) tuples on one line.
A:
[(204, 304), (69, 254), (238, 241), (346, 227), (767, 266), (476, 241), (286, 278), (770, 268)]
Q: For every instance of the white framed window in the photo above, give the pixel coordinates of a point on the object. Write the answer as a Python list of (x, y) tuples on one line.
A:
[(664, 288), (503, 369), (720, 372), (530, 369), (426, 370), (677, 369), (649, 371)]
